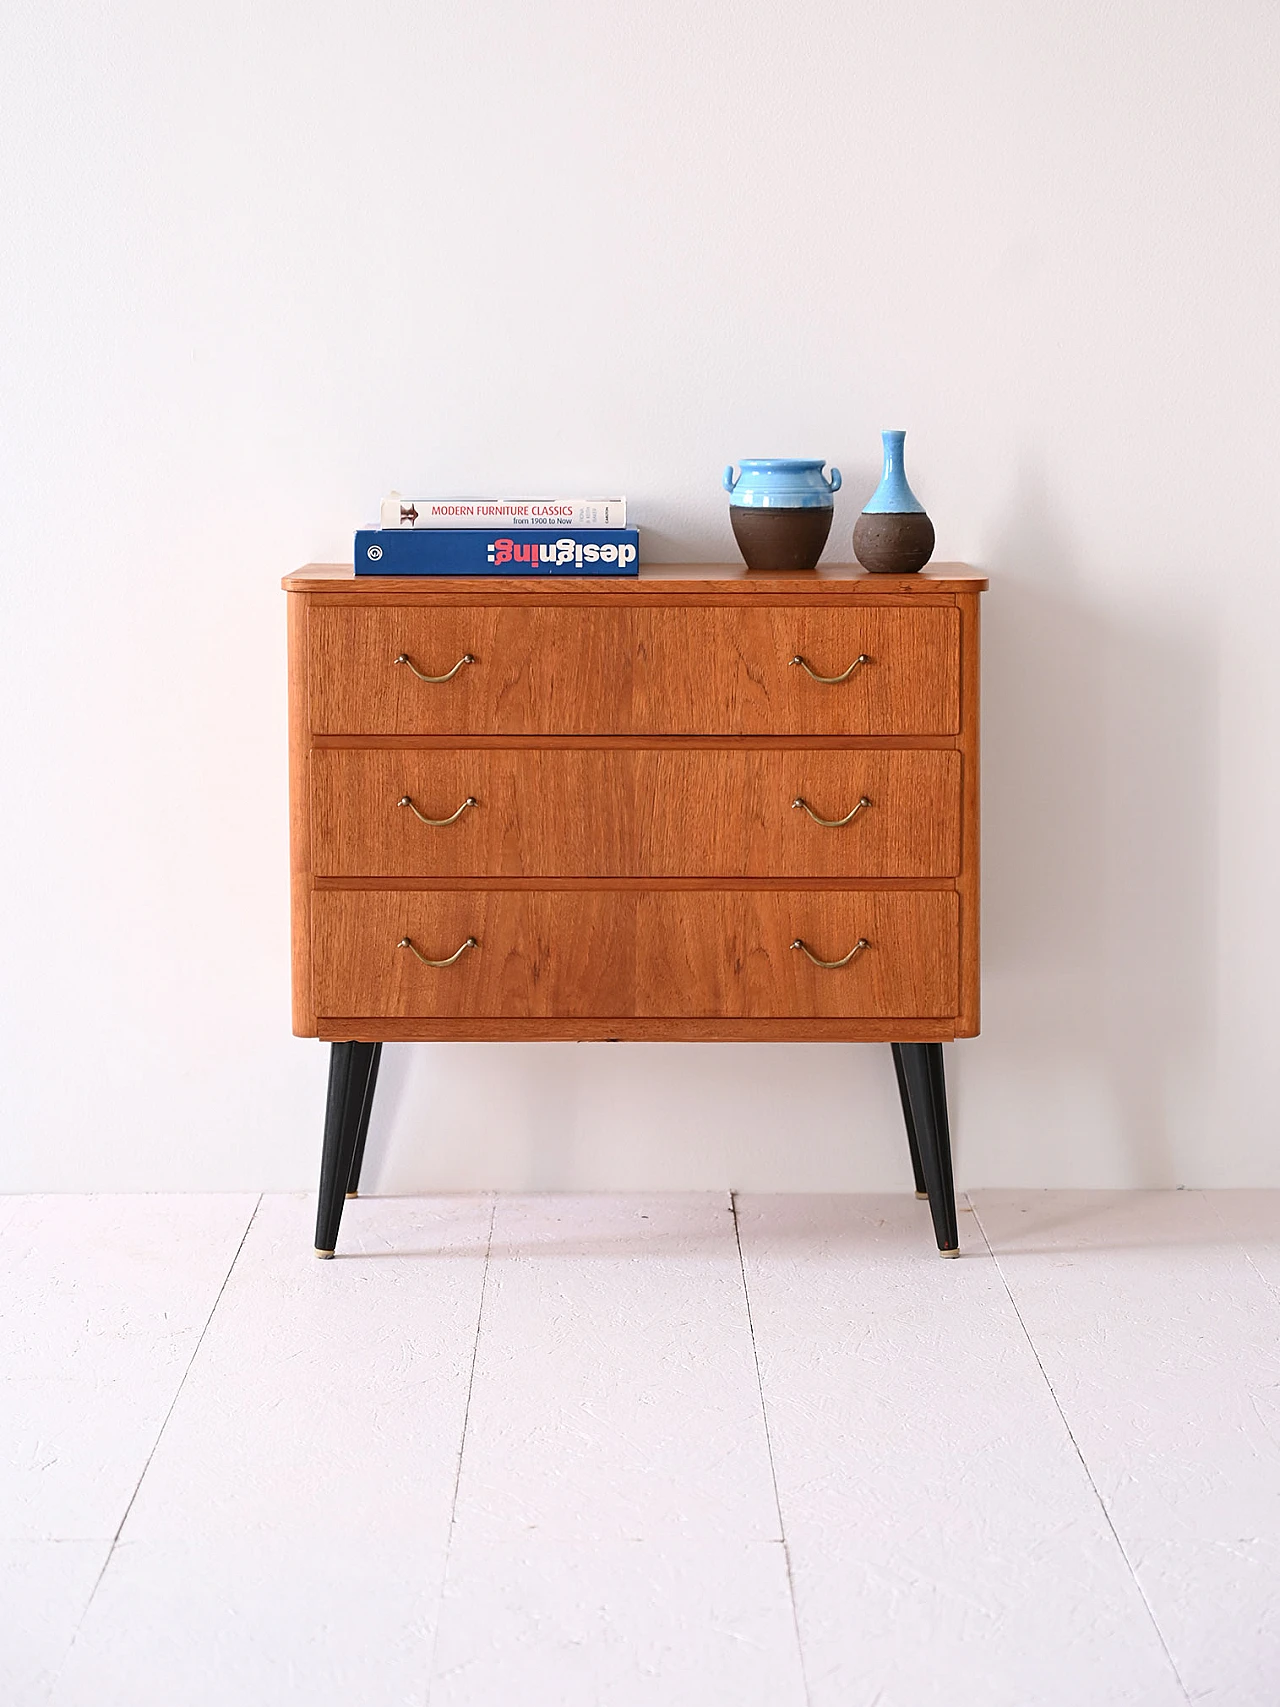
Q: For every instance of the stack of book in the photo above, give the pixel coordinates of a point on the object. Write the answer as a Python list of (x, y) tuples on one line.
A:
[(499, 536)]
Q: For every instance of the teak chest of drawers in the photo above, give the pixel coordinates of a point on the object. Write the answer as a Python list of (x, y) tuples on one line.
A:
[(701, 804)]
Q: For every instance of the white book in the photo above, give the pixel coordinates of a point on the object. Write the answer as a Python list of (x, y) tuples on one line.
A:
[(398, 512)]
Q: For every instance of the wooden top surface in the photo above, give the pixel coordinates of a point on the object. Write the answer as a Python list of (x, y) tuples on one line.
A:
[(666, 577)]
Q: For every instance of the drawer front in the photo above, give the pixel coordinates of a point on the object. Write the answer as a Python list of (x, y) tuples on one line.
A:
[(536, 669), (614, 953), (729, 953), (686, 670), (720, 671), (723, 813), (538, 812), (539, 955), (542, 812)]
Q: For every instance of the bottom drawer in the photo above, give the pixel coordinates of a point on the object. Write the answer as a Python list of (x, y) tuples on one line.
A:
[(543, 954)]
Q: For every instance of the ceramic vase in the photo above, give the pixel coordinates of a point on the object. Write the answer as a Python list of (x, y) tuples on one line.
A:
[(781, 510), (893, 535)]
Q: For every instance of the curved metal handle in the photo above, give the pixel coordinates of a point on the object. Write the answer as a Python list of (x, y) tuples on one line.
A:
[(830, 681), (439, 823), (448, 676), (835, 480), (457, 954), (827, 823), (829, 965), (729, 479)]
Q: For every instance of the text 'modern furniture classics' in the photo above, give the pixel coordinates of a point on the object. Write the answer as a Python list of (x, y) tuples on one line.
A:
[(701, 804)]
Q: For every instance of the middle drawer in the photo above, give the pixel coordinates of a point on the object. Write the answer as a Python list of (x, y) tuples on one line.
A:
[(635, 812)]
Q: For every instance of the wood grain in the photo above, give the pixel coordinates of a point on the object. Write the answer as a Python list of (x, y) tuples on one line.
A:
[(626, 1028), (719, 670), (539, 813), (473, 880), (703, 743), (561, 952), (732, 814), (304, 1015), (729, 952), (705, 671), (667, 580), (624, 813), (536, 668), (692, 954), (635, 866)]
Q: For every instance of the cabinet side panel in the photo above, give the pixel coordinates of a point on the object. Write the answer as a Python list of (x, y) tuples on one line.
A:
[(304, 1014), (969, 881)]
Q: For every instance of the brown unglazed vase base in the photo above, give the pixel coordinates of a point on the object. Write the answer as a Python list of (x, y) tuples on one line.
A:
[(893, 545), (780, 539)]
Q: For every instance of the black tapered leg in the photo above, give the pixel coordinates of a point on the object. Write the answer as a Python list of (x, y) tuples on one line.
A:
[(348, 1080), (927, 1094), (913, 1143), (362, 1131)]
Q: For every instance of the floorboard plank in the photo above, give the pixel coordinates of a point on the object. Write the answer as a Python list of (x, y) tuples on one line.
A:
[(1155, 1318), (687, 1620), (105, 1299), (45, 1587), (615, 1392), (288, 1540), (952, 1443), (616, 1473), (1251, 1220), (945, 1542), (1160, 1341), (1218, 1607)]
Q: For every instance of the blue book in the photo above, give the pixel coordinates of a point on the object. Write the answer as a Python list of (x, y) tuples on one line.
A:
[(493, 551)]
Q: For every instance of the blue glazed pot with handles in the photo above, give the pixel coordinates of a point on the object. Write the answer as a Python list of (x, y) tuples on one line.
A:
[(781, 510)]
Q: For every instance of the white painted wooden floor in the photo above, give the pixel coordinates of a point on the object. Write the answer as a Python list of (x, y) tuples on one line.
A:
[(641, 1450)]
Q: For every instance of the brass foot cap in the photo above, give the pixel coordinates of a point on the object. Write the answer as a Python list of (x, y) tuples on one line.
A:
[(923, 1196), (321, 1253), (353, 1194), (948, 1253)]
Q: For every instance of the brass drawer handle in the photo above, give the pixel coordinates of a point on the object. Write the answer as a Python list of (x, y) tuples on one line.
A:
[(830, 965), (439, 823), (456, 955), (827, 823), (830, 681), (448, 676)]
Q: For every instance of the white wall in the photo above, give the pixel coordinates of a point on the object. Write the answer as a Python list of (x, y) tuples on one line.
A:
[(264, 261)]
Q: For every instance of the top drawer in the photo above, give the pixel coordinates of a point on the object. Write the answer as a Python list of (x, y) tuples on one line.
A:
[(561, 670)]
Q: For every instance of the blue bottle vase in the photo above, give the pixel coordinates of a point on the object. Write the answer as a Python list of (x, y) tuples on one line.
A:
[(893, 535)]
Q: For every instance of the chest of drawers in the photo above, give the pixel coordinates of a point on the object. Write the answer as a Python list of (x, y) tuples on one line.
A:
[(701, 804)]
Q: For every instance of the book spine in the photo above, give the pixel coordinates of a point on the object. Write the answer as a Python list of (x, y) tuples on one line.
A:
[(419, 514), (488, 551)]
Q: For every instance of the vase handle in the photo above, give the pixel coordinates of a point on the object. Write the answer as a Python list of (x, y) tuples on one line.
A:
[(729, 479), (835, 480)]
